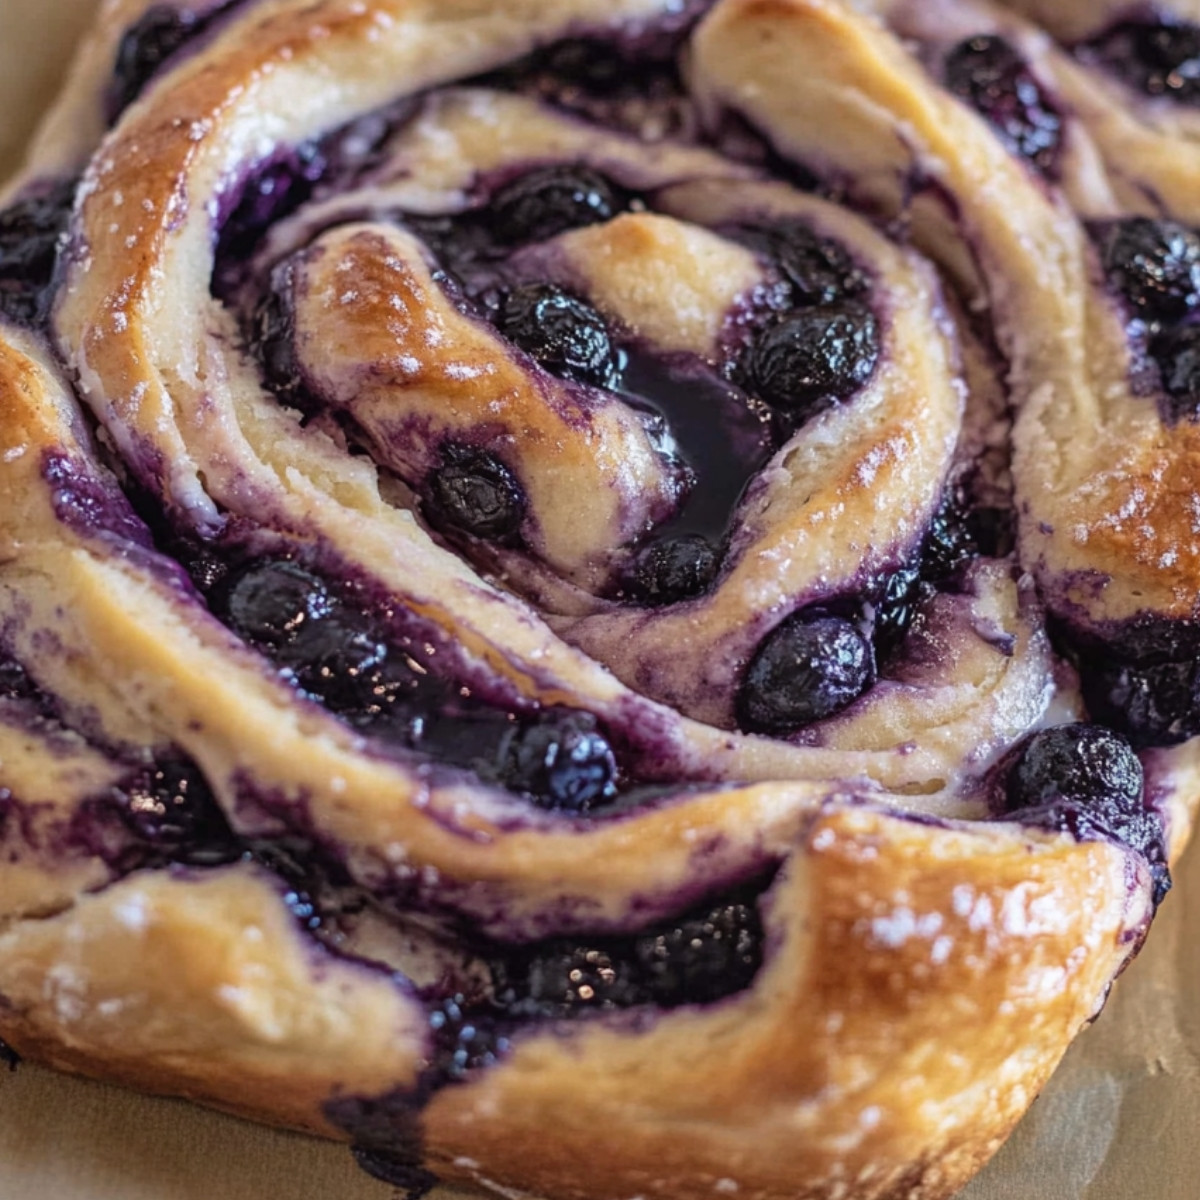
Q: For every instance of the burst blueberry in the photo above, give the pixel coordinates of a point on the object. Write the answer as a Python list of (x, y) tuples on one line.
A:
[(172, 809), (270, 600), (818, 269), (565, 334), (1155, 265), (338, 661), (475, 493), (813, 357), (563, 763), (550, 201), (807, 669), (1163, 58), (273, 338), (991, 76), (1152, 703), (674, 569)]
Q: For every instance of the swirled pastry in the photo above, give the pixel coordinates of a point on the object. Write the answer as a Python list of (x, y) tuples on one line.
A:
[(597, 579)]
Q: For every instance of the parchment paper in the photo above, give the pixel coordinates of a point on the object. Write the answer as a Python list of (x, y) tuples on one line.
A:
[(1120, 1120)]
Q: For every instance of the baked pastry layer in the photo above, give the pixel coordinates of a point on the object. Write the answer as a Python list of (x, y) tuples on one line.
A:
[(594, 579)]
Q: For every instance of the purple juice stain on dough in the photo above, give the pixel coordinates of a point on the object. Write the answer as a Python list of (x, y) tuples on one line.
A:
[(91, 504), (33, 233), (989, 73)]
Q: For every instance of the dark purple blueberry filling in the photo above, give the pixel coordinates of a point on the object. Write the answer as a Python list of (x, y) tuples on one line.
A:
[(721, 438), (155, 37), (705, 955), (812, 358), (1153, 703), (170, 809), (565, 334), (990, 75), (674, 569), (1177, 353), (1087, 781), (32, 233), (818, 269), (413, 1181), (550, 201), (274, 190), (1159, 58), (386, 1137), (1154, 264), (807, 669), (269, 600), (272, 338), (563, 763), (9, 1057), (473, 492)]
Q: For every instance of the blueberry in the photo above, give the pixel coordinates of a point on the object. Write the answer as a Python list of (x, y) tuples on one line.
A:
[(550, 201), (578, 977), (896, 608), (172, 809), (464, 1040), (1153, 703), (338, 661), (474, 492), (987, 72), (1177, 352), (32, 232), (702, 958), (674, 569), (1075, 762), (563, 763), (818, 269), (145, 46), (14, 680), (564, 334), (9, 1057), (807, 669), (1169, 59), (948, 544), (1086, 780), (812, 357), (269, 601), (1155, 265)]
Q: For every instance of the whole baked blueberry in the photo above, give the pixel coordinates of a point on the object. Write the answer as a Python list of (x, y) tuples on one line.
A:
[(1086, 780), (565, 334), (1075, 762), (563, 763), (674, 569), (807, 669), (813, 356), (1155, 265), (702, 958), (991, 76), (273, 338), (269, 600), (948, 543), (1177, 352), (475, 493), (551, 200), (818, 269)]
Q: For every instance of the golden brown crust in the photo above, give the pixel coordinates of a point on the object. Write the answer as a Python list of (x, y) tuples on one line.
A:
[(924, 966)]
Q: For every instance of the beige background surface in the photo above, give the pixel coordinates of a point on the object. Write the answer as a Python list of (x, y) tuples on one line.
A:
[(1120, 1120)]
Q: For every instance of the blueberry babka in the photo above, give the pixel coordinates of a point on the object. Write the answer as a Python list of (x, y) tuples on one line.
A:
[(600, 582)]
